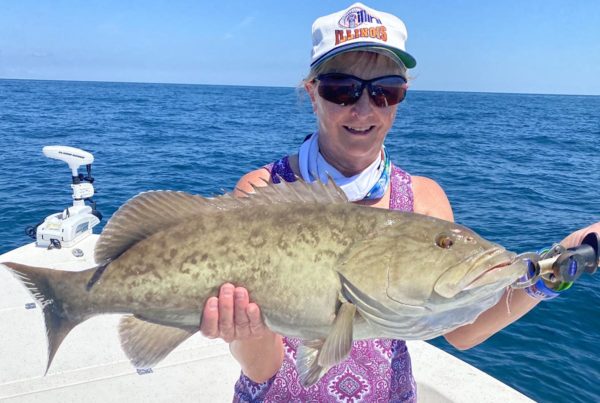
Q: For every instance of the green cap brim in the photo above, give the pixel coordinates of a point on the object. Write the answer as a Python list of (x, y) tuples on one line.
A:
[(396, 54)]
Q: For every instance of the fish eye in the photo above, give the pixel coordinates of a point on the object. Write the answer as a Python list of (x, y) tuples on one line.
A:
[(444, 241)]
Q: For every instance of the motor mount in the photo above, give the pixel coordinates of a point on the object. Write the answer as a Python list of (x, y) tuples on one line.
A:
[(74, 223)]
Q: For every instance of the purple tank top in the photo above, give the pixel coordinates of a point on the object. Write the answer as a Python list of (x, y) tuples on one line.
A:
[(377, 370)]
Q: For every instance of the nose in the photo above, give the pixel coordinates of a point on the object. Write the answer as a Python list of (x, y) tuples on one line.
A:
[(364, 105)]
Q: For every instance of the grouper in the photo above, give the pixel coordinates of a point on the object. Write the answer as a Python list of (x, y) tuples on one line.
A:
[(321, 269)]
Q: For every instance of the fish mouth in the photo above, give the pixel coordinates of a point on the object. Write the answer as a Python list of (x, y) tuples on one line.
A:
[(509, 268), (494, 265)]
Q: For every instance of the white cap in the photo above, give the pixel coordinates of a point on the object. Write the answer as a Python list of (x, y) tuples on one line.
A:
[(359, 28)]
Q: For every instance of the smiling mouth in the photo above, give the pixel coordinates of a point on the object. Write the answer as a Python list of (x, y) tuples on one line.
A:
[(359, 130)]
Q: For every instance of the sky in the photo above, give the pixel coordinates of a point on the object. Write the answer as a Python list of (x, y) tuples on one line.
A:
[(524, 46)]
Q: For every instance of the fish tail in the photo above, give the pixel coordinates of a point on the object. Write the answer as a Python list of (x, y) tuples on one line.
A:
[(41, 283)]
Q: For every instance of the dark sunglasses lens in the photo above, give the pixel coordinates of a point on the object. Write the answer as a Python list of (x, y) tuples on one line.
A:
[(339, 89), (388, 91)]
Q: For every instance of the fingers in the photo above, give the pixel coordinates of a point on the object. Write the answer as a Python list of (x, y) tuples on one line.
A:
[(210, 318), (256, 324), (226, 323), (242, 322), (231, 316)]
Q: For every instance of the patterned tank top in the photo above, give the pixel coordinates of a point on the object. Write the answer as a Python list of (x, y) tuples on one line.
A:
[(377, 370)]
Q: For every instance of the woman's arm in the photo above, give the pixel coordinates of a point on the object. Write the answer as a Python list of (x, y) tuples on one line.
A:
[(492, 321), (232, 317)]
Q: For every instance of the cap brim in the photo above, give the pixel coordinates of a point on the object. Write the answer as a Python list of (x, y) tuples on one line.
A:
[(396, 54)]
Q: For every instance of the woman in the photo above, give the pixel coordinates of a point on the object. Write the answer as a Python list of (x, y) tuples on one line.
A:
[(357, 79)]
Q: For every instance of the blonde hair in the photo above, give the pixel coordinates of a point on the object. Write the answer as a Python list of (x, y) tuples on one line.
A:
[(361, 60)]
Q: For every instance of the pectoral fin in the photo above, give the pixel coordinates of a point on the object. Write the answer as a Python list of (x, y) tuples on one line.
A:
[(147, 343), (338, 344), (317, 356)]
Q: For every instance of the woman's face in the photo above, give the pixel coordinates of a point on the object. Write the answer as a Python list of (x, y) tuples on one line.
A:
[(351, 136)]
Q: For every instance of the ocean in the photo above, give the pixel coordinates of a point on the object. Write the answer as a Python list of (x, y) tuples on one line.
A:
[(522, 170)]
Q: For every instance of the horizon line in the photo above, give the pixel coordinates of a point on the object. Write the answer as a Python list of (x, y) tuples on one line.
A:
[(291, 87)]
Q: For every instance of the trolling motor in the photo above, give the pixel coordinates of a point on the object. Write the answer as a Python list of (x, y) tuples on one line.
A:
[(74, 223)]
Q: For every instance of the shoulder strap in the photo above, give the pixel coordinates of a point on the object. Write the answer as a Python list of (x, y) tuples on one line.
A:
[(282, 169), (401, 192)]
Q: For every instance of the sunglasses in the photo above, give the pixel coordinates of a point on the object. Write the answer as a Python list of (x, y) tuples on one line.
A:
[(344, 89)]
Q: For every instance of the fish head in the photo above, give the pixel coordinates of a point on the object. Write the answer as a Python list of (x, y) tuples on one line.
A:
[(443, 258), (417, 277)]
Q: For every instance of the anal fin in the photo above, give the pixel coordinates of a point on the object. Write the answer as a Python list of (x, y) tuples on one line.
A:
[(307, 362), (315, 357), (147, 343)]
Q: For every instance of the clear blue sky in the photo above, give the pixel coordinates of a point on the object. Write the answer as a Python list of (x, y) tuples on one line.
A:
[(531, 46)]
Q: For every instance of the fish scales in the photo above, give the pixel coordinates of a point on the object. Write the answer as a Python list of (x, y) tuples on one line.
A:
[(285, 256)]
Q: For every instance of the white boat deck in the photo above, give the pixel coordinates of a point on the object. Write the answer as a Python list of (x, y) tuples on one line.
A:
[(90, 366)]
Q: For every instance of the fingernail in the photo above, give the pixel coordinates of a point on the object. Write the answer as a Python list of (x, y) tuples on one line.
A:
[(227, 290), (213, 304), (239, 294)]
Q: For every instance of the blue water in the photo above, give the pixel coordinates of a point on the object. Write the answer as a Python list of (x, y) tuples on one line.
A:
[(520, 169)]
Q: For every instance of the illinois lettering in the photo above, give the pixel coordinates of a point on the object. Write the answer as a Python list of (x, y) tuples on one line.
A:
[(345, 35)]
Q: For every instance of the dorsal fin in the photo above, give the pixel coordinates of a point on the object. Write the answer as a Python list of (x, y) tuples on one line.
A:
[(150, 212), (296, 192), (144, 215)]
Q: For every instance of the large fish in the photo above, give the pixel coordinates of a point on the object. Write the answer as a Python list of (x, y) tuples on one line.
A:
[(321, 269)]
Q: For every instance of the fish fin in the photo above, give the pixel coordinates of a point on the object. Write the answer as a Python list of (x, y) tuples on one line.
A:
[(338, 344), (145, 215), (151, 212), (147, 343), (315, 357), (307, 362), (298, 191), (40, 283)]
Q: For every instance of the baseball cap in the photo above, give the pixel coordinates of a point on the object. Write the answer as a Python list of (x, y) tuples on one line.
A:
[(359, 27)]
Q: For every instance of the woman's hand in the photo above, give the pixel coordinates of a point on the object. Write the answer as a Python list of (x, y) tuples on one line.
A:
[(231, 316), (576, 237)]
